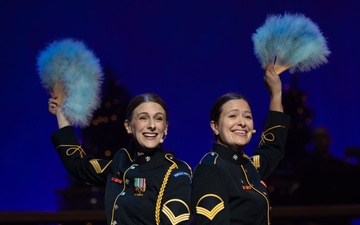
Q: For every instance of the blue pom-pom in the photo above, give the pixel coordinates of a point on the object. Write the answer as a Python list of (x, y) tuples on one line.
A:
[(78, 69), (290, 41)]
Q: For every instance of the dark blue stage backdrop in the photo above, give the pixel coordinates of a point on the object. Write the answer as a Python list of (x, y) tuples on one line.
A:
[(188, 51)]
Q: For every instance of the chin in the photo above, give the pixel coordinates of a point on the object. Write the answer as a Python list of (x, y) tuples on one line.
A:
[(152, 146), (241, 145)]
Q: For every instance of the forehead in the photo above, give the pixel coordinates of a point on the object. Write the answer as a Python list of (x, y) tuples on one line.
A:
[(149, 108), (236, 104)]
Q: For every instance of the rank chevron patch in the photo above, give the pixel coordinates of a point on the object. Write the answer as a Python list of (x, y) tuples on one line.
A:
[(97, 167), (211, 205), (178, 205)]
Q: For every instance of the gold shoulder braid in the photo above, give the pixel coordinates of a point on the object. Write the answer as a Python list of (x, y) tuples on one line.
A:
[(162, 189)]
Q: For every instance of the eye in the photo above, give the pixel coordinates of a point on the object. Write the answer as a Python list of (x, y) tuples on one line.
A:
[(232, 116), (159, 118), (142, 118), (248, 117)]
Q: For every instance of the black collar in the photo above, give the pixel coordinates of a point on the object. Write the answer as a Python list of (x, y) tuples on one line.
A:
[(153, 156), (230, 155)]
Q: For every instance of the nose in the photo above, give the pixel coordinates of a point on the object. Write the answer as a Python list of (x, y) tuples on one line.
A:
[(241, 122), (151, 124)]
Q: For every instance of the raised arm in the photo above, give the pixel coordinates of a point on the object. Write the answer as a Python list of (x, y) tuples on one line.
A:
[(273, 83), (55, 102)]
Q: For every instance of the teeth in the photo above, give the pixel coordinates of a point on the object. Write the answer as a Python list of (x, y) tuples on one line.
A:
[(150, 135), (240, 131)]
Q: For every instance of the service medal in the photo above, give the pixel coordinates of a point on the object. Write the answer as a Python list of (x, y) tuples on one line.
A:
[(139, 186)]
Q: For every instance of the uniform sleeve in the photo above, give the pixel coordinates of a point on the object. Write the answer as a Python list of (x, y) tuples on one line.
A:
[(75, 160), (208, 198), (176, 201), (272, 144)]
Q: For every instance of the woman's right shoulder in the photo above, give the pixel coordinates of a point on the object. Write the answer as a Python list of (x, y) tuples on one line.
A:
[(210, 158), (209, 165)]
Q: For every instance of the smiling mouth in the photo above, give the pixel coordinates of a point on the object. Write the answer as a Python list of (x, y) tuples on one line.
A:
[(241, 132), (150, 135)]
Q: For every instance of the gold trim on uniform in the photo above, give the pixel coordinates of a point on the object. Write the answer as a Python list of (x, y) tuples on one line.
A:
[(170, 215), (163, 186), (73, 149), (256, 161), (189, 167), (128, 154), (122, 192), (266, 136), (97, 167), (214, 211), (262, 194), (213, 154)]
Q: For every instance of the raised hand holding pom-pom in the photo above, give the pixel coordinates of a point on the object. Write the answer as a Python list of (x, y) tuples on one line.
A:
[(290, 42), (73, 74), (56, 101), (58, 95)]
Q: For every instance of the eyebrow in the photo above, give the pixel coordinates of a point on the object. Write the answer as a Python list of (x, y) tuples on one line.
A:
[(140, 113), (237, 110)]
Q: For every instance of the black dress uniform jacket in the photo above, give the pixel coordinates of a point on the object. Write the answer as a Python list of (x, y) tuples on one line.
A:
[(228, 186), (150, 189)]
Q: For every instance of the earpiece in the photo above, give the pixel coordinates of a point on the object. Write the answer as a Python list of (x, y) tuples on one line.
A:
[(163, 138), (253, 131)]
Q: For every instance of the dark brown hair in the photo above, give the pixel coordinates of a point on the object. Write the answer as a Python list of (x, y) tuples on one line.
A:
[(216, 108), (146, 97)]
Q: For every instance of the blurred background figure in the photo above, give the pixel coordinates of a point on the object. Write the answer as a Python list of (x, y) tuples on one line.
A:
[(319, 157), (324, 179)]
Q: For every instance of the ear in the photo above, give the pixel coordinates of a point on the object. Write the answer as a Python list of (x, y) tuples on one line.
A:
[(214, 127), (127, 126)]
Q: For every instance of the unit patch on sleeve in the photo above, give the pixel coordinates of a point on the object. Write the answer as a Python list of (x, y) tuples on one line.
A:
[(182, 173)]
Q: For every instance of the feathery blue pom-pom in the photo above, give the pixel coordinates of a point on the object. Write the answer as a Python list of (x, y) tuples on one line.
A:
[(291, 41), (79, 70)]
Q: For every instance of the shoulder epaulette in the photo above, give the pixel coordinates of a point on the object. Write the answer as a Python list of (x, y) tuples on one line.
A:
[(187, 166), (172, 159), (209, 158), (122, 155), (126, 152), (183, 168)]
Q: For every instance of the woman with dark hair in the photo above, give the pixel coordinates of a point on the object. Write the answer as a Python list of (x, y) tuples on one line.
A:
[(143, 183), (228, 186)]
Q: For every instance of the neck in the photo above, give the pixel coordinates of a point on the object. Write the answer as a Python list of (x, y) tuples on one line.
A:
[(235, 148)]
